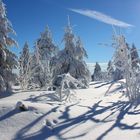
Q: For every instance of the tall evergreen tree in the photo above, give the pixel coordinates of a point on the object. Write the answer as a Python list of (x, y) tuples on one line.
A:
[(8, 60), (24, 66), (70, 59), (44, 52)]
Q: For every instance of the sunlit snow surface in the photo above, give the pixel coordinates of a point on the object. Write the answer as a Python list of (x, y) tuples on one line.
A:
[(89, 115)]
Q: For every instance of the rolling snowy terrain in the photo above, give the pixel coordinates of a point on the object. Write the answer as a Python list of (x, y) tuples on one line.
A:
[(89, 114)]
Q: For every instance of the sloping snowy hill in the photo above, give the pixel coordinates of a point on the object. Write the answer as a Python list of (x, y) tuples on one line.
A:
[(88, 115)]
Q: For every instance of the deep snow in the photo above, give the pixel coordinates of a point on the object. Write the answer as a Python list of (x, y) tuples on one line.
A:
[(89, 115)]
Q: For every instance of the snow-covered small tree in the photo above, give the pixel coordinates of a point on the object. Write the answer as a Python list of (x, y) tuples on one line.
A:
[(24, 67), (45, 50), (110, 70), (71, 58), (135, 57), (97, 75), (7, 58)]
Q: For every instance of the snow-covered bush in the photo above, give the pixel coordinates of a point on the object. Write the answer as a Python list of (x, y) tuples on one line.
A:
[(65, 85)]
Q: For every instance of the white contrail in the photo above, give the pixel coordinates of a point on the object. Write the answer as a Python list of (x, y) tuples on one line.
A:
[(102, 17)]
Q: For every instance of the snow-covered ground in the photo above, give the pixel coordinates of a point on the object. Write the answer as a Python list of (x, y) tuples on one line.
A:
[(89, 115)]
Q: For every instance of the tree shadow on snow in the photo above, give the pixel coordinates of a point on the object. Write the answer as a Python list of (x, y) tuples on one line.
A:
[(9, 114), (6, 94), (120, 109), (44, 133), (45, 96), (95, 83), (104, 84), (120, 87)]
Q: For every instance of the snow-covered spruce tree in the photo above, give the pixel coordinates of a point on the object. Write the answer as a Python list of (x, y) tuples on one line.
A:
[(97, 75), (8, 60), (45, 50), (33, 72), (71, 58), (110, 70), (135, 57), (24, 67), (82, 71)]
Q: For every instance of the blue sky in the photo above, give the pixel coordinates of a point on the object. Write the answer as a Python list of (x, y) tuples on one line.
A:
[(30, 17)]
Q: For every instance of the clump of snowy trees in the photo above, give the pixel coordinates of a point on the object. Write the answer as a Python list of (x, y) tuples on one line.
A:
[(115, 70), (42, 68), (8, 60), (117, 65), (126, 63), (36, 69), (103, 75)]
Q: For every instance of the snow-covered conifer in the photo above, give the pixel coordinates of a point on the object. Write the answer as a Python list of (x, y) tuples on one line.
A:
[(135, 57), (97, 75), (8, 59), (110, 70), (70, 59), (24, 66), (45, 50)]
